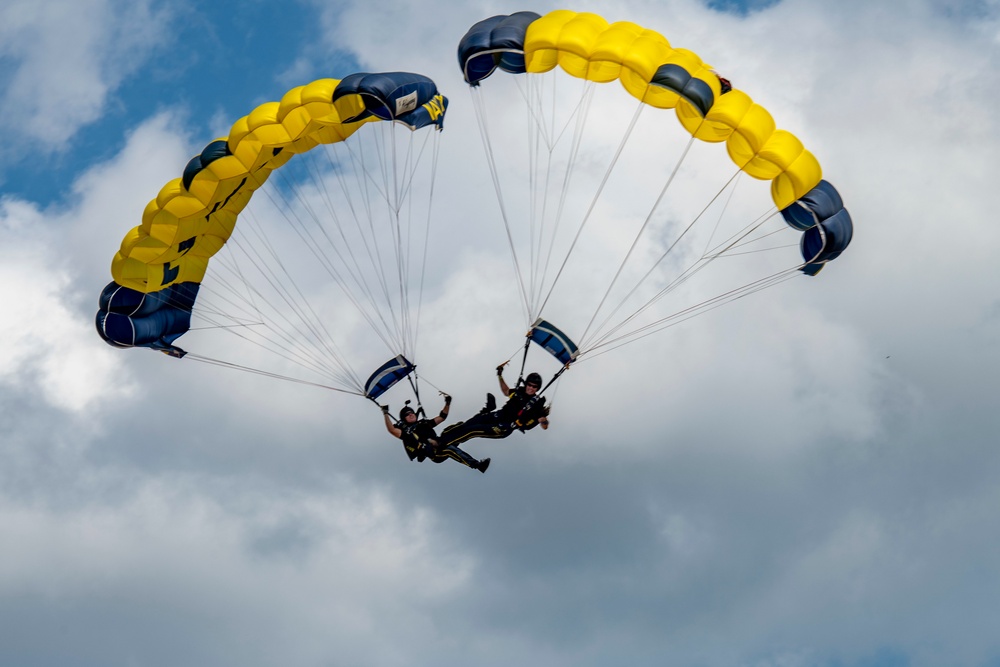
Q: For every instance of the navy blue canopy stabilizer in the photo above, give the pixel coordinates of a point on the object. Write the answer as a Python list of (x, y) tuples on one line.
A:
[(411, 99), (554, 341), (827, 225), (128, 318), (494, 42), (386, 375)]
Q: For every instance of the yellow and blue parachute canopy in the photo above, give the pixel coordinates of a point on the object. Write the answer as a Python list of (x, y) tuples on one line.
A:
[(655, 72), (161, 262)]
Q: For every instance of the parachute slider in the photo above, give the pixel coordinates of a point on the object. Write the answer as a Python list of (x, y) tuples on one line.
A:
[(387, 375), (553, 341)]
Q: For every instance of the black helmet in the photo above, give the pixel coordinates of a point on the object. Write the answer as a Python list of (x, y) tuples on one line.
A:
[(533, 378), (405, 411)]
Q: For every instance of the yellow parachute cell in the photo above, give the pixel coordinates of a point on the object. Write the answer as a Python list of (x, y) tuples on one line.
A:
[(586, 46)]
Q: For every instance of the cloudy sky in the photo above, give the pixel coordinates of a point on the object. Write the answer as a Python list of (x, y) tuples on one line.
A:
[(804, 478)]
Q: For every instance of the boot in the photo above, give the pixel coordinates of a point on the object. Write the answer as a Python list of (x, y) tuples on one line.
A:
[(483, 465), (491, 405)]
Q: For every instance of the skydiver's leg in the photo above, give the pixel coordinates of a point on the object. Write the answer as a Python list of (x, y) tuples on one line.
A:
[(457, 454), (486, 428), (462, 431)]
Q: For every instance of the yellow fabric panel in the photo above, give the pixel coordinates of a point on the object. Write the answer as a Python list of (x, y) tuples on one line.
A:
[(724, 116), (263, 117), (541, 41), (750, 134), (196, 217), (349, 106), (141, 246), (221, 175), (144, 277), (647, 53), (576, 43), (236, 133), (130, 272), (779, 151), (586, 46), (797, 180), (610, 49)]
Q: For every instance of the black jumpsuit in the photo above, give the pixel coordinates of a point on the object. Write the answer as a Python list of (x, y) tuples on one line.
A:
[(420, 442), (520, 412)]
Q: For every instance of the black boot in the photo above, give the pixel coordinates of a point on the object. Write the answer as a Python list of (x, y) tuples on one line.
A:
[(491, 405), (483, 465)]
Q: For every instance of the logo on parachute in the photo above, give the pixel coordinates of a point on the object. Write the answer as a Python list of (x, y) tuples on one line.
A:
[(435, 107), (406, 104)]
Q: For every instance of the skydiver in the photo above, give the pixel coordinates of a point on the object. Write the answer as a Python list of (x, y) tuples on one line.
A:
[(421, 442), (523, 411)]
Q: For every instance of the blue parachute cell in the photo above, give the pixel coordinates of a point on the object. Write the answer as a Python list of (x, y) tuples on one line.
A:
[(411, 99), (386, 375), (826, 224), (128, 318), (553, 341), (495, 42)]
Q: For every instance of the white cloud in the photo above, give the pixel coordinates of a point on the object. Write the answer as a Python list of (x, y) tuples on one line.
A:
[(803, 477), (47, 347), (55, 263), (167, 549), (68, 58)]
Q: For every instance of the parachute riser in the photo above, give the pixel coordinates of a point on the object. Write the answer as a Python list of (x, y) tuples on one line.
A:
[(414, 381)]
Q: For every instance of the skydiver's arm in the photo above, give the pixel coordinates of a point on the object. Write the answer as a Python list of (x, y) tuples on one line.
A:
[(390, 427), (444, 411), (503, 385)]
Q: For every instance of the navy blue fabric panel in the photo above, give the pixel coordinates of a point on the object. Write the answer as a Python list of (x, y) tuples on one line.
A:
[(118, 299), (800, 217), (509, 38), (676, 78), (348, 85), (181, 295), (422, 117), (130, 318), (210, 154), (387, 375), (826, 225), (839, 232), (501, 34), (163, 326), (116, 330), (813, 269), (476, 40), (828, 239), (812, 243), (553, 341), (388, 95), (820, 203)]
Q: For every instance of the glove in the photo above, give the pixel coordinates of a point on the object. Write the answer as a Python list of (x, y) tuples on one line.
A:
[(385, 409), (500, 369), (447, 399)]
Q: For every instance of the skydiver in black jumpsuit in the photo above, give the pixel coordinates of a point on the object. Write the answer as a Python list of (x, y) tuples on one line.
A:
[(421, 442), (523, 411)]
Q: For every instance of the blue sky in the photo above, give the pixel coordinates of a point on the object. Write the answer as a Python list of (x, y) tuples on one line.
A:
[(806, 478), (203, 58)]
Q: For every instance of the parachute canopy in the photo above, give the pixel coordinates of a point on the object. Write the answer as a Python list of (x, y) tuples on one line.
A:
[(650, 69), (540, 51), (555, 342), (161, 264), (386, 375)]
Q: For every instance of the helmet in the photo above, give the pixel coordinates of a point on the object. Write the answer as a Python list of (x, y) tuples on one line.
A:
[(405, 411), (533, 378)]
